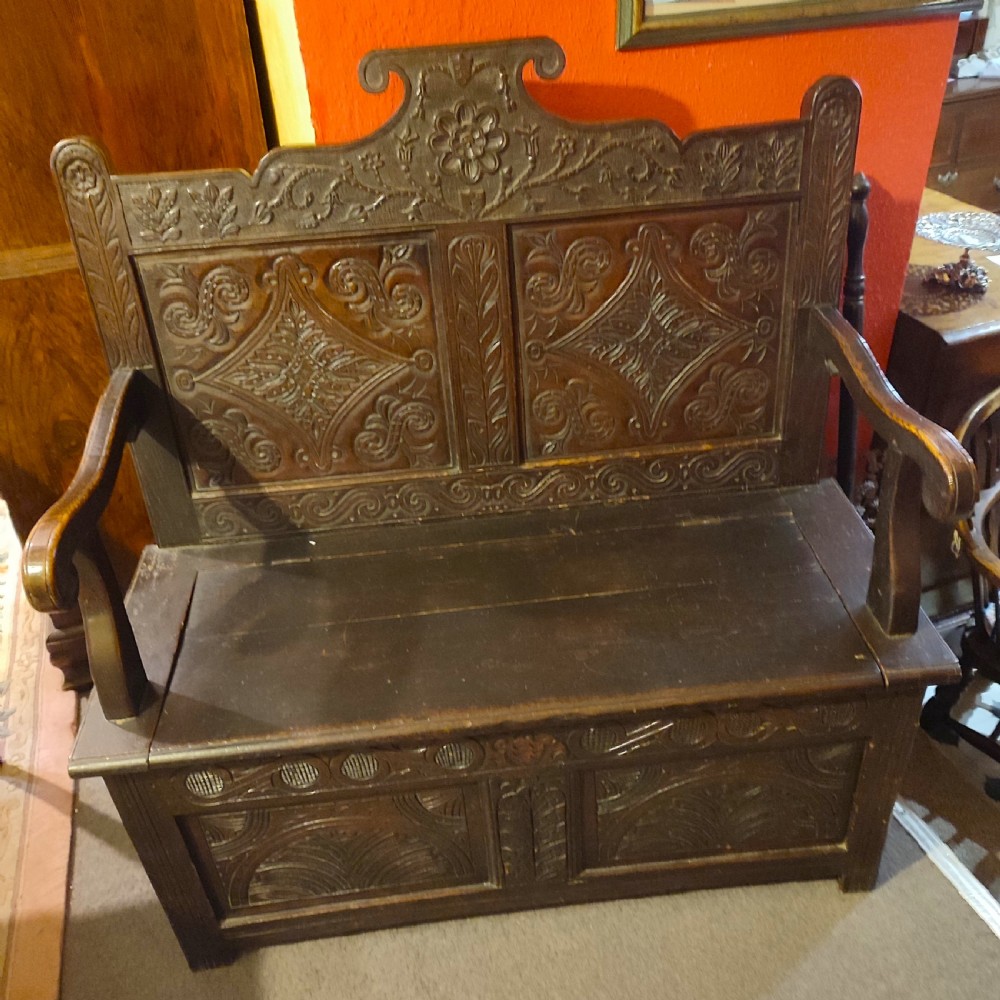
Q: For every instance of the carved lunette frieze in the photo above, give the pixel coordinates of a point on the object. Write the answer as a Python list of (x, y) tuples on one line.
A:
[(95, 217), (303, 853), (835, 114), (785, 798), (468, 143), (480, 316), (486, 492), (598, 744)]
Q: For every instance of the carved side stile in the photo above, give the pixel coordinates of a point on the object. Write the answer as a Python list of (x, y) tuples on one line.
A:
[(99, 234), (835, 117)]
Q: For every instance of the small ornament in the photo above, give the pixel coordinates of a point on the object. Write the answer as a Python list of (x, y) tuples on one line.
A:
[(963, 276)]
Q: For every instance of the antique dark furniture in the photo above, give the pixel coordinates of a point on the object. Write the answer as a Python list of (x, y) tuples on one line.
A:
[(965, 162), (493, 566), (945, 357), (979, 430)]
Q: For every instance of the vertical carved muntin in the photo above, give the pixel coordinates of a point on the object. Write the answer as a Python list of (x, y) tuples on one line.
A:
[(480, 322), (93, 210)]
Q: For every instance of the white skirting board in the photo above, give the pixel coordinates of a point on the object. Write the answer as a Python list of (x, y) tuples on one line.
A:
[(943, 858)]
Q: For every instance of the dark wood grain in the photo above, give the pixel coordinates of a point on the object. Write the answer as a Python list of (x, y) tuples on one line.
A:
[(163, 85)]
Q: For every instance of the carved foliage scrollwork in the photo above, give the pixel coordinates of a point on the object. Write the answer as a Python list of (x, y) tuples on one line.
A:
[(382, 298), (98, 231), (486, 492), (469, 143), (646, 347), (203, 310), (275, 382)]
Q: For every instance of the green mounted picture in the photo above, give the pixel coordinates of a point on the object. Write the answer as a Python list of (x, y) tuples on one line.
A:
[(650, 23)]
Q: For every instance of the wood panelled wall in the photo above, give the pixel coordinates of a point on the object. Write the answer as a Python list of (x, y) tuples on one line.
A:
[(164, 85)]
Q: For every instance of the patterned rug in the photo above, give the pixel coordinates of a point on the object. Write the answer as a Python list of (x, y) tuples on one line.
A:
[(36, 795)]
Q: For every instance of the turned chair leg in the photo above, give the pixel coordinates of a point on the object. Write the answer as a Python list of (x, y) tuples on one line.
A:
[(67, 648)]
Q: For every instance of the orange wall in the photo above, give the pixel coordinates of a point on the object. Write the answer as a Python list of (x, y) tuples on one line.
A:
[(901, 69)]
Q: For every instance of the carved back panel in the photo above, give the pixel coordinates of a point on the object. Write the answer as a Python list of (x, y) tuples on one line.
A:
[(481, 307)]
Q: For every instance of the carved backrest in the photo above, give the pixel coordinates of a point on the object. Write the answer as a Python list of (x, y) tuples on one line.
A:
[(481, 307)]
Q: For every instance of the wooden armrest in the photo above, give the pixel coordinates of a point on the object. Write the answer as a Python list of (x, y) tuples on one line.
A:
[(948, 476), (64, 558), (47, 569), (923, 462)]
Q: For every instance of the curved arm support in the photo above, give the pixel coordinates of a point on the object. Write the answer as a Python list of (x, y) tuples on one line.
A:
[(64, 557), (923, 463), (948, 477), (47, 571)]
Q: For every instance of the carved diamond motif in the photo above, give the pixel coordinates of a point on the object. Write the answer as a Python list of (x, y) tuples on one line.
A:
[(304, 367), (655, 330)]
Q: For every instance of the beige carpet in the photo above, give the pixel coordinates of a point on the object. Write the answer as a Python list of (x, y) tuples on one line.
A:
[(913, 937), (36, 730)]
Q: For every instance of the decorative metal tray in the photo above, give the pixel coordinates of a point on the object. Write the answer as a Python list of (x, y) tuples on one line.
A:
[(973, 230)]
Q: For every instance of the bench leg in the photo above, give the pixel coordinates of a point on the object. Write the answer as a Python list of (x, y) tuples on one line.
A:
[(885, 759), (168, 864)]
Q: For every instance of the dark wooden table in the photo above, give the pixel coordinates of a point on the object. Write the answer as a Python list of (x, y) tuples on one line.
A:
[(941, 364)]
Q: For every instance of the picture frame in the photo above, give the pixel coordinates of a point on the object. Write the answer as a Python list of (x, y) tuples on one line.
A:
[(645, 24)]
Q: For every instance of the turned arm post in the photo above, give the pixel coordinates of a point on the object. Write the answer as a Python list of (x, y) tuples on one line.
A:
[(65, 560), (924, 464), (854, 313)]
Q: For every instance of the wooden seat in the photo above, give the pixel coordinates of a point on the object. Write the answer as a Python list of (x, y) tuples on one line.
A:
[(494, 567)]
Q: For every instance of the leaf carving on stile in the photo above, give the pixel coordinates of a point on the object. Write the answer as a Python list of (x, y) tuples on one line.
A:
[(834, 125), (475, 270), (97, 229)]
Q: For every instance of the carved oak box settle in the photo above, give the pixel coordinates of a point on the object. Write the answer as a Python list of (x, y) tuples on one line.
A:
[(493, 565)]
